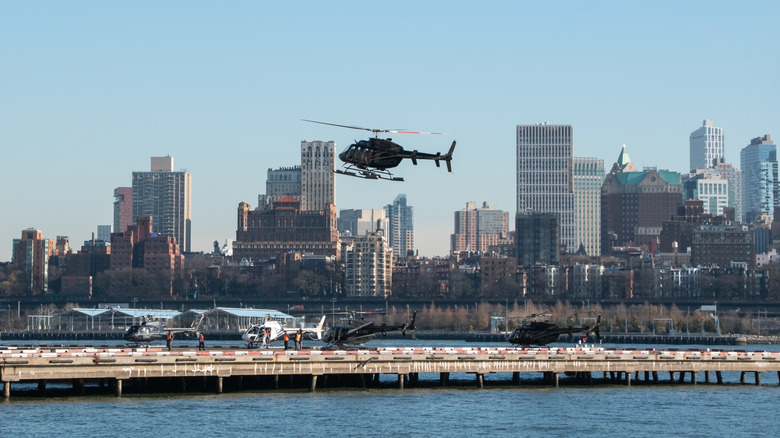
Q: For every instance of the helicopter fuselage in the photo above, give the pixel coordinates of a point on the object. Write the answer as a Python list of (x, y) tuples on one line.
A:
[(374, 153), (145, 333)]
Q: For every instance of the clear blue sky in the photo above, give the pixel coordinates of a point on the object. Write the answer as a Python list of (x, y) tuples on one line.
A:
[(92, 90)]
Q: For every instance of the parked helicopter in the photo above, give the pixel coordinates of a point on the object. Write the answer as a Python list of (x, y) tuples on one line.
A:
[(271, 330), (371, 158), (541, 333), (352, 331), (153, 329)]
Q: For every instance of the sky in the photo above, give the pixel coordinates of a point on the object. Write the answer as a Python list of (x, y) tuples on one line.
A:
[(91, 90)]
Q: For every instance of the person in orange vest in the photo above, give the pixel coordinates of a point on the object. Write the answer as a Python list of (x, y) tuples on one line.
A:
[(168, 340), (286, 339), (298, 339)]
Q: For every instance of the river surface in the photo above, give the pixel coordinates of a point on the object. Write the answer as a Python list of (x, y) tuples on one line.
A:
[(499, 409)]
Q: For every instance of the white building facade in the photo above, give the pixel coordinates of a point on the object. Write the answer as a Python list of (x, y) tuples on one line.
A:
[(368, 261), (706, 146), (588, 178)]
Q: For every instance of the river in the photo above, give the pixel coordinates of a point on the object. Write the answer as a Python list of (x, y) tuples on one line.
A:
[(499, 409)]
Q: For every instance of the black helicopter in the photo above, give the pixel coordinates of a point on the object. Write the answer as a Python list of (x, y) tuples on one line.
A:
[(353, 331), (540, 333), (371, 158), (153, 329)]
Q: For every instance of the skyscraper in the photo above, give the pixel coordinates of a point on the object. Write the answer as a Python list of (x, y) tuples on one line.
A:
[(318, 181), (760, 185), (545, 174), (359, 222), (588, 177), (368, 266), (401, 221), (706, 146), (734, 177), (476, 229), (104, 233), (32, 253), (537, 238), (710, 187), (123, 208), (165, 195)]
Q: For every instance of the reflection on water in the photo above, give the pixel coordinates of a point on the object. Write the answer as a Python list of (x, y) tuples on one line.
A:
[(501, 411)]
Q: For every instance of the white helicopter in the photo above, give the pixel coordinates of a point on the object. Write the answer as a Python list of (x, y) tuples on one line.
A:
[(271, 330)]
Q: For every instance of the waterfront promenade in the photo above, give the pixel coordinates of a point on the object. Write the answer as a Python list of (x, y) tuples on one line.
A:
[(146, 368)]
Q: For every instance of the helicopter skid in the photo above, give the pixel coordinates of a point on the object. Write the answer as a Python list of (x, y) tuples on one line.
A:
[(370, 174)]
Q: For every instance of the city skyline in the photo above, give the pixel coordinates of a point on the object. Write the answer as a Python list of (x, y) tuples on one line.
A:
[(93, 90)]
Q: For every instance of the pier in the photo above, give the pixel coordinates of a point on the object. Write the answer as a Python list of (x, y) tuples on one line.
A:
[(113, 368)]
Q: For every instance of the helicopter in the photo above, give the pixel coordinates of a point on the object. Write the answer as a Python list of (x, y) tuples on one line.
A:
[(256, 333), (371, 158), (541, 333), (351, 331), (152, 329)]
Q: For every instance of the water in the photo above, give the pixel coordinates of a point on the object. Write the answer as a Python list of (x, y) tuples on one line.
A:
[(497, 410)]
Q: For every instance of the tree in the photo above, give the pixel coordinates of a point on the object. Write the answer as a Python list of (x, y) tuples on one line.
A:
[(310, 283)]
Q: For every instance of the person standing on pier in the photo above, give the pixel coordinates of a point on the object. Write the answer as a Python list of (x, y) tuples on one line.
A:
[(298, 339), (286, 339), (168, 340), (201, 342)]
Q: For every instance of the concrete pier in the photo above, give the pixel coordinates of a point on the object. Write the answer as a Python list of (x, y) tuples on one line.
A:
[(218, 370)]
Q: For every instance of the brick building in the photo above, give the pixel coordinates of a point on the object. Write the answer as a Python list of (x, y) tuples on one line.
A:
[(264, 234)]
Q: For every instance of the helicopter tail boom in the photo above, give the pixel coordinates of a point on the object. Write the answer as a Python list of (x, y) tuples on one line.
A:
[(318, 331)]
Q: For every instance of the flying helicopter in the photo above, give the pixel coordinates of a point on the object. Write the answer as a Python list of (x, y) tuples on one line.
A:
[(371, 158), (358, 331), (271, 330), (153, 329), (540, 333)]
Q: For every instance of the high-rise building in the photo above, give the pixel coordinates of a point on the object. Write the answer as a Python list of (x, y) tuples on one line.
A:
[(734, 177), (32, 253), (368, 262), (318, 180), (537, 238), (123, 208), (760, 185), (284, 181), (706, 146), (104, 233), (588, 177), (710, 187), (165, 195), (634, 205), (359, 222), (545, 175), (401, 226), (476, 229), (61, 245)]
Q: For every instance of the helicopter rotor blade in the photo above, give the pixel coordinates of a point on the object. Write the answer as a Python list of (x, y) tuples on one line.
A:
[(348, 126), (398, 131), (375, 131)]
